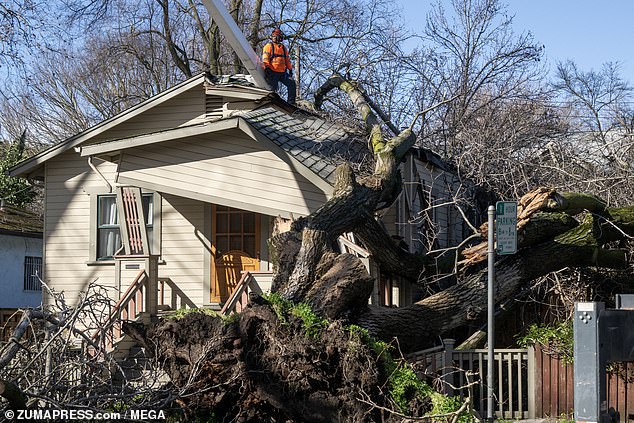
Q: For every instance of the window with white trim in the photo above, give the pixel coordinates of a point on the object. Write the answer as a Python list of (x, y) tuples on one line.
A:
[(108, 241)]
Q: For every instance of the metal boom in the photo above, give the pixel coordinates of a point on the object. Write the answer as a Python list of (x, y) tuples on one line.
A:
[(237, 40)]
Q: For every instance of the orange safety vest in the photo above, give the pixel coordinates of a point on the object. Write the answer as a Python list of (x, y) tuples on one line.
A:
[(275, 57)]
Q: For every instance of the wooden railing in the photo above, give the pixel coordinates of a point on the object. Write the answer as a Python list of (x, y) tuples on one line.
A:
[(171, 297), (130, 305), (350, 247), (239, 298)]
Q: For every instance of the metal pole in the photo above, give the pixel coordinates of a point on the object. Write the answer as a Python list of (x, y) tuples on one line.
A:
[(491, 316), (298, 70)]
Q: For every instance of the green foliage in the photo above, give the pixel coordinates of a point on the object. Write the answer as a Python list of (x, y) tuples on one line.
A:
[(404, 386), (280, 306), (557, 337), (17, 191), (311, 322), (443, 404), (566, 418), (182, 312), (122, 405)]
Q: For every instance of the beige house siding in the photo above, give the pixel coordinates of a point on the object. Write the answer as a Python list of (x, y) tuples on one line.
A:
[(184, 242), (69, 186), (227, 168), (185, 109), (69, 180)]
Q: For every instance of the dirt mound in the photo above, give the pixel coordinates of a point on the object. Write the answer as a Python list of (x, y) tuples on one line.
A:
[(265, 366)]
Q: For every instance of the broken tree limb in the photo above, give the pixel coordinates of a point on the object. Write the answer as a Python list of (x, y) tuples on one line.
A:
[(418, 325), (353, 199), (28, 316), (551, 232)]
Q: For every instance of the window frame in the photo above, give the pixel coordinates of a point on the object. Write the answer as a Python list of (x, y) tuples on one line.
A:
[(29, 281), (155, 245), (99, 227)]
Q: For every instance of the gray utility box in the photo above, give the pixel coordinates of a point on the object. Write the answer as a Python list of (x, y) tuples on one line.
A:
[(600, 336)]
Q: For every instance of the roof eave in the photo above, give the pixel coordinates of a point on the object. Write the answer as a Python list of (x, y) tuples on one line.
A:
[(157, 137), (27, 166)]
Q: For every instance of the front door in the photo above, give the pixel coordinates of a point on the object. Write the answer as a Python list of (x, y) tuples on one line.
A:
[(236, 248)]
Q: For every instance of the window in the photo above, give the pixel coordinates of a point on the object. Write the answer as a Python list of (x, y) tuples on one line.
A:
[(108, 235), (32, 273), (236, 229)]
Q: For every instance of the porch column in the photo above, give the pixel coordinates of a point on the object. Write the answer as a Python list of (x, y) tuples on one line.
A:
[(151, 293)]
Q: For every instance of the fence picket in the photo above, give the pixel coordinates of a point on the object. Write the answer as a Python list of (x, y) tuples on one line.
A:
[(529, 383)]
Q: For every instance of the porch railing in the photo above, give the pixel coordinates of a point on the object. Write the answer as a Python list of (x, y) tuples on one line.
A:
[(171, 297), (131, 304), (250, 282)]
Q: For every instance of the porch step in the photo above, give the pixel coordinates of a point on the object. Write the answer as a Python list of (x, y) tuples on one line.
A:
[(137, 368)]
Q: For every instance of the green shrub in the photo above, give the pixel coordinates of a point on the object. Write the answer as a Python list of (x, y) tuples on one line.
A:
[(182, 312), (558, 337)]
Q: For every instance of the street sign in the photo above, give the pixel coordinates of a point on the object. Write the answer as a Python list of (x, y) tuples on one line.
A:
[(506, 227)]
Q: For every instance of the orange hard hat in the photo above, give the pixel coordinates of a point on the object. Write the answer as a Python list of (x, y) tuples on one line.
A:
[(277, 32)]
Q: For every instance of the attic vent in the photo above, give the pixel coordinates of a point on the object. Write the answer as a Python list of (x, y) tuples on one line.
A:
[(213, 106)]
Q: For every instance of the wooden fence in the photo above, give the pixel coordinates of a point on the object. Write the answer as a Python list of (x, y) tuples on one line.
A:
[(464, 373), (530, 383), (554, 383)]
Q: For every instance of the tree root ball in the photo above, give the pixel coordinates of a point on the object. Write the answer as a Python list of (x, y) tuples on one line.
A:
[(259, 366)]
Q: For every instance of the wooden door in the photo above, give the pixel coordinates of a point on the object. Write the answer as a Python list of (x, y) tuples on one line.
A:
[(236, 245)]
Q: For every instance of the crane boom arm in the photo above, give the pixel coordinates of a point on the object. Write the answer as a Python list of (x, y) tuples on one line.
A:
[(237, 40)]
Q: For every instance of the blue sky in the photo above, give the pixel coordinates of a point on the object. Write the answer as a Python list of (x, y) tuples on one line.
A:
[(589, 32)]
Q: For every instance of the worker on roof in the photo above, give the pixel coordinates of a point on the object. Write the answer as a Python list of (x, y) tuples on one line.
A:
[(277, 65)]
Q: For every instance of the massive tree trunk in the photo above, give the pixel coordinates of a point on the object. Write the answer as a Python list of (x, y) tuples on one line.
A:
[(266, 363), (549, 239)]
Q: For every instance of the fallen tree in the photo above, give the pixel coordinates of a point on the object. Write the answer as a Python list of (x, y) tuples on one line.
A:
[(277, 363), (279, 372), (550, 239)]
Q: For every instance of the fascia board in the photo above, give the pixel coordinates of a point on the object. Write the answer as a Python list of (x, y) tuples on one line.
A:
[(25, 166), (157, 137)]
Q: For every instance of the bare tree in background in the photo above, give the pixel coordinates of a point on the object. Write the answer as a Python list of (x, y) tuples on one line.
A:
[(596, 153), (125, 52)]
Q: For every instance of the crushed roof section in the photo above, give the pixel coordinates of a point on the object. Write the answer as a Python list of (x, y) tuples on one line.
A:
[(18, 221), (318, 144)]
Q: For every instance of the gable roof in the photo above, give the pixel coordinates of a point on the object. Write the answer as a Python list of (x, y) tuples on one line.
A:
[(318, 145), (30, 164), (315, 143)]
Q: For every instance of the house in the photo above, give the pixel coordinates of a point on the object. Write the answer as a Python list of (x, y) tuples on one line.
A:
[(20, 263), (199, 175)]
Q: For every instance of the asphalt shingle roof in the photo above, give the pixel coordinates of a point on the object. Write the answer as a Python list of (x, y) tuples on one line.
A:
[(317, 144), (16, 220)]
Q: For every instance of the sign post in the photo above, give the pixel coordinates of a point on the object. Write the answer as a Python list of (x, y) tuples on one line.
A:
[(504, 218)]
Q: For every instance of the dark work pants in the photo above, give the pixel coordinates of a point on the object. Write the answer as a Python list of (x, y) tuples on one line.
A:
[(274, 79)]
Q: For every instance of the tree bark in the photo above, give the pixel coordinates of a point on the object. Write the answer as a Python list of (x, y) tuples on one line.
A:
[(418, 325), (549, 239)]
